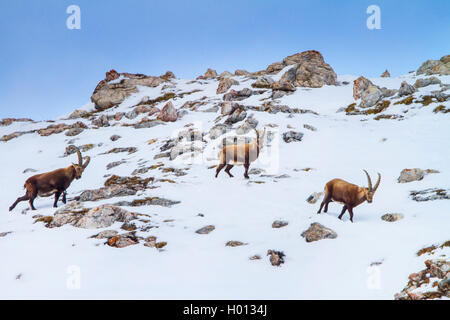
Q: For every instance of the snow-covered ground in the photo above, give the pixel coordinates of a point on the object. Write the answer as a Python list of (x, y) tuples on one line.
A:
[(38, 262)]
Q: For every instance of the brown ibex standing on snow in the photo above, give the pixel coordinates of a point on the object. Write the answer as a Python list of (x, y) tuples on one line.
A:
[(348, 194), (242, 154), (55, 182)]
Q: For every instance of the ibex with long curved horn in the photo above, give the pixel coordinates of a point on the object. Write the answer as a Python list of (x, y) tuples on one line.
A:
[(242, 154), (55, 182), (348, 194)]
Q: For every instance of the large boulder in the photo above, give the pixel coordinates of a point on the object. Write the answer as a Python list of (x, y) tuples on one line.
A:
[(168, 113), (365, 90), (406, 89), (104, 216), (309, 70), (440, 67), (420, 83), (225, 84), (110, 92)]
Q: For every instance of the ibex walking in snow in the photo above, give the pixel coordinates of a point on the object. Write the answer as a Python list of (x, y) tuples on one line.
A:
[(242, 154), (348, 194), (55, 182)]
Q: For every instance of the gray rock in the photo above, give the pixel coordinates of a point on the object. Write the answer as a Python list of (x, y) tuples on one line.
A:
[(225, 84), (237, 115), (440, 67), (105, 234), (114, 164), (391, 217), (206, 230), (430, 194), (426, 82), (106, 193), (263, 82), (115, 137), (279, 224), (406, 89), (73, 132), (234, 243), (409, 175), (318, 232), (276, 258), (291, 136), (314, 197), (104, 216)]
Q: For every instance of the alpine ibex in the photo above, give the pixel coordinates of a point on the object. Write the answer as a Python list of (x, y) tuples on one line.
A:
[(242, 154), (348, 194), (55, 182)]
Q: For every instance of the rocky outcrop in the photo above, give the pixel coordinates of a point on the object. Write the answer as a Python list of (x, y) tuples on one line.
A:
[(365, 90), (104, 216), (385, 74), (420, 83), (263, 82), (318, 232), (110, 93), (440, 67), (240, 72), (309, 70), (431, 283), (225, 84), (209, 74)]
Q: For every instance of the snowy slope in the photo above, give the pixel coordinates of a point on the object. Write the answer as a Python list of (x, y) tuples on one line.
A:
[(194, 266)]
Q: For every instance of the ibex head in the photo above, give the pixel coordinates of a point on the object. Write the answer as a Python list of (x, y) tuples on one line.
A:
[(79, 168), (370, 191)]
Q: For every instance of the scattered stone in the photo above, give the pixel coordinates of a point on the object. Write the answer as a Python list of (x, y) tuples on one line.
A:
[(255, 257), (317, 232), (218, 130), (279, 224), (291, 136), (206, 230), (74, 132), (240, 72), (430, 194), (283, 85), (392, 217), (235, 244), (130, 150), (149, 201), (276, 257), (309, 127), (115, 137), (134, 183), (114, 164), (237, 115), (227, 107), (4, 234), (101, 121), (210, 73), (29, 170), (234, 95)]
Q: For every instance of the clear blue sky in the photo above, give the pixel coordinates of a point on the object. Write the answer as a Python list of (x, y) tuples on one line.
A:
[(48, 70)]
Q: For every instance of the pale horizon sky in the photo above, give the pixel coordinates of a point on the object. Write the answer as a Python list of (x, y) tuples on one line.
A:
[(49, 70)]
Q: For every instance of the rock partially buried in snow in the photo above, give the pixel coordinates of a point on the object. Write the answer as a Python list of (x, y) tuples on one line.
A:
[(392, 217), (106, 193), (291, 136), (314, 197), (276, 257), (279, 224), (420, 83), (430, 194), (416, 174), (318, 232), (206, 230), (104, 216), (105, 234), (234, 243), (123, 240)]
